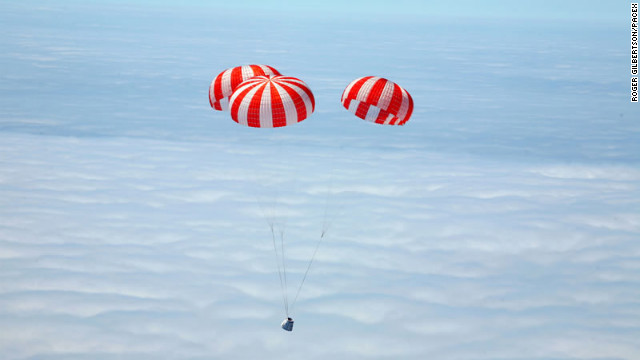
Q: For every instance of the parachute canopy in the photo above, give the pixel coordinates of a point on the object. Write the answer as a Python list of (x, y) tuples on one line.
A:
[(271, 101), (223, 85), (378, 100)]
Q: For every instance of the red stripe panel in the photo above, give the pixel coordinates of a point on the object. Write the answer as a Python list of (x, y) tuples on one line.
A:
[(217, 90), (396, 100), (278, 114), (253, 115), (410, 111), (346, 102), (236, 77), (298, 102), (375, 92), (212, 101), (256, 70), (362, 110), (273, 71), (382, 116), (236, 103), (353, 93), (304, 88)]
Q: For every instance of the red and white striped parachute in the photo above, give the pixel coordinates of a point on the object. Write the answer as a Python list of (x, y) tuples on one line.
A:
[(378, 100), (223, 85), (271, 101)]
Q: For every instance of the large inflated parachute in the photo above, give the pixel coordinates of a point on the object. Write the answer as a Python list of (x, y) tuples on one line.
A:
[(378, 100), (271, 101), (227, 81)]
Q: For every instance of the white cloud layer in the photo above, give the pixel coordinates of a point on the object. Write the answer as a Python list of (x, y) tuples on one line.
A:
[(105, 257)]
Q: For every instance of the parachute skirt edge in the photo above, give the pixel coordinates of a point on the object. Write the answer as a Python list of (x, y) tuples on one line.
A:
[(372, 113)]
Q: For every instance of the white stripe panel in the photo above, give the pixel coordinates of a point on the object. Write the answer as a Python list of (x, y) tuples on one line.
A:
[(353, 106), (404, 107), (247, 72), (292, 81), (224, 103), (225, 80), (386, 95), (390, 117), (290, 111), (237, 93), (348, 89), (244, 104), (372, 113), (366, 88), (212, 97), (297, 87), (266, 69), (266, 112)]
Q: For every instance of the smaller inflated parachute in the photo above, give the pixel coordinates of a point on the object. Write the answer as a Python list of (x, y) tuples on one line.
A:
[(378, 100), (223, 85), (271, 101)]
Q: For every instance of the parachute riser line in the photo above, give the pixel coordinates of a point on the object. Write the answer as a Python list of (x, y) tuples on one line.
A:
[(326, 224), (284, 271), (282, 286), (315, 251)]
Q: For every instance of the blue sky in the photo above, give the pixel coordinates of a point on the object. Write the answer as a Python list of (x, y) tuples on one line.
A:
[(576, 10), (500, 223)]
